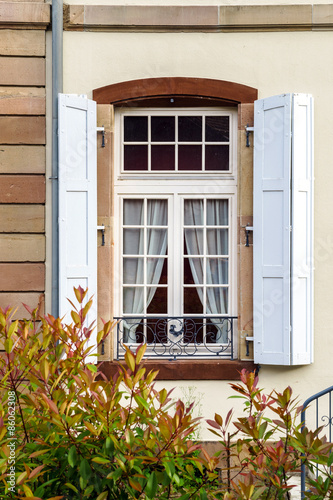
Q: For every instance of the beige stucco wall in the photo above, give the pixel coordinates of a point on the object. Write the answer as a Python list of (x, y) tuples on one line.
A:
[(201, 2), (273, 62)]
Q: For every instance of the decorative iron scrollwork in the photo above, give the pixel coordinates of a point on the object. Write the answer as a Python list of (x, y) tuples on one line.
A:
[(177, 337)]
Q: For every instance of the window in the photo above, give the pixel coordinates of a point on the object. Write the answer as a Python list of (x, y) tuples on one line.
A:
[(176, 142), (175, 191)]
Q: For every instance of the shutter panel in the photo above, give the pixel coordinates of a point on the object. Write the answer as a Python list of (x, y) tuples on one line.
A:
[(271, 230), (77, 202), (302, 233), (281, 237)]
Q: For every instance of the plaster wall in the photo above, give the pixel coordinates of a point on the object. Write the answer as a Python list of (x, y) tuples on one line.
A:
[(274, 63), (201, 2)]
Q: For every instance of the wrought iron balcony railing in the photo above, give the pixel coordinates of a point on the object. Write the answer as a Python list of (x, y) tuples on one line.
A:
[(177, 337)]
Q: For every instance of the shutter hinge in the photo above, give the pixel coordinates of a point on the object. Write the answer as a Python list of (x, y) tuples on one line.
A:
[(102, 129), (248, 130), (102, 228), (248, 339), (247, 230)]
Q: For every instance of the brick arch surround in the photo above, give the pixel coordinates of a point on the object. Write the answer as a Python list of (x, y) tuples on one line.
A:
[(155, 88)]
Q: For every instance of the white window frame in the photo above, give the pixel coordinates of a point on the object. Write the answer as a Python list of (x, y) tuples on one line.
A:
[(176, 187), (119, 120)]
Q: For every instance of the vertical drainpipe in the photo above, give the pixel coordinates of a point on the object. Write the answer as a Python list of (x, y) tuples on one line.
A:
[(57, 77)]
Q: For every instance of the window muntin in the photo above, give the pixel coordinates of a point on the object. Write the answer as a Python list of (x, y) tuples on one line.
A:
[(180, 141)]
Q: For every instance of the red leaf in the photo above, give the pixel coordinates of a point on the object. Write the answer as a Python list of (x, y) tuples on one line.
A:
[(50, 404), (212, 423)]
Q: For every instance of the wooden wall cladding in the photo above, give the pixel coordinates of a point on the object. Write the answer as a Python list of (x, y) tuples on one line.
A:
[(22, 153)]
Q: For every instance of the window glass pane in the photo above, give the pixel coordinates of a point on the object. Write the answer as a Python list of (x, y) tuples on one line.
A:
[(133, 241), (133, 299), (217, 212), (190, 128), (217, 129), (193, 271), (216, 331), (193, 242), (133, 271), (135, 128), (217, 271), (159, 300), (157, 271), (133, 212), (162, 128), (217, 241), (163, 157), (135, 157), (157, 212), (189, 157), (217, 300), (193, 212), (157, 241), (217, 157), (192, 300)]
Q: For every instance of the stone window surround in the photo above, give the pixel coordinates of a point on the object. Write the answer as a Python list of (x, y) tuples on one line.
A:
[(194, 91)]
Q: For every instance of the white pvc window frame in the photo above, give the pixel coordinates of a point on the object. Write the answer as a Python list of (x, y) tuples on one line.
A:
[(176, 187), (232, 143)]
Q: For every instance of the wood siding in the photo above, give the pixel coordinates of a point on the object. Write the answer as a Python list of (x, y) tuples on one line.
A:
[(22, 153)]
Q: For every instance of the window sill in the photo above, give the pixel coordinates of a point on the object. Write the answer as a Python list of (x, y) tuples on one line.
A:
[(188, 369)]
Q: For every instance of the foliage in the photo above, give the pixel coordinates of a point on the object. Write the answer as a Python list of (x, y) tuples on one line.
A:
[(79, 435), (267, 446), (67, 432)]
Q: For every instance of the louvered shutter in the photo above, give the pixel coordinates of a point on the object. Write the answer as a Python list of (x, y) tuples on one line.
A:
[(77, 201), (282, 237)]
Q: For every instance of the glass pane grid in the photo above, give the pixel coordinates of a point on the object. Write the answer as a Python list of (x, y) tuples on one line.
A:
[(142, 270), (206, 137), (207, 274)]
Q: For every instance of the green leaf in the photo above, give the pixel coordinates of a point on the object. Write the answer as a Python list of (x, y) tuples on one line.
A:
[(151, 487), (83, 483), (100, 460), (102, 496), (40, 491), (85, 469), (72, 456), (116, 474), (130, 360), (203, 494), (92, 368), (109, 445), (330, 460), (76, 318), (88, 490), (141, 402), (72, 487), (170, 469)]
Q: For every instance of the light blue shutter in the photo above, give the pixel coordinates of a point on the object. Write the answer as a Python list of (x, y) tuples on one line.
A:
[(77, 201), (302, 233), (282, 239)]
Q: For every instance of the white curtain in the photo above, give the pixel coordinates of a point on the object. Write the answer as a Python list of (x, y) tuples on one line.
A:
[(134, 303), (216, 244)]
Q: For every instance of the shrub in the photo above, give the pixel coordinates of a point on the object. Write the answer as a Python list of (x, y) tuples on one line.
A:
[(66, 432), (75, 434), (267, 446)]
